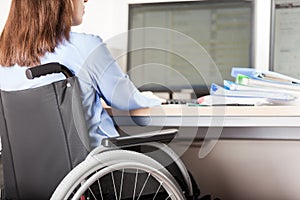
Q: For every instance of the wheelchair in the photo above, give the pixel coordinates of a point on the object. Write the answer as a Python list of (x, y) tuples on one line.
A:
[(46, 152)]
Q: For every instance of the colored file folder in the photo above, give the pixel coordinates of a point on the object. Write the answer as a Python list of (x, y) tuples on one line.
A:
[(248, 81), (267, 76), (220, 91)]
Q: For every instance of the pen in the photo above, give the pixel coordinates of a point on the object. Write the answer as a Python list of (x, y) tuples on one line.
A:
[(234, 104), (228, 104), (276, 78)]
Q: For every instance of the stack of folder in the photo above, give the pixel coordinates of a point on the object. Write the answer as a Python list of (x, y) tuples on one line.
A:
[(254, 87)]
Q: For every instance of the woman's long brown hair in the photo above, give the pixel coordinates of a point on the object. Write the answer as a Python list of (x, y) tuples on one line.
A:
[(33, 28)]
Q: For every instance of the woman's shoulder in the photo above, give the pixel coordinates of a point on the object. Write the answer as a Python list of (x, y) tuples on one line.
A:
[(85, 35), (83, 43), (84, 40)]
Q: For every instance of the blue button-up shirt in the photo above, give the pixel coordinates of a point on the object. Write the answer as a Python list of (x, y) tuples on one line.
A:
[(99, 75)]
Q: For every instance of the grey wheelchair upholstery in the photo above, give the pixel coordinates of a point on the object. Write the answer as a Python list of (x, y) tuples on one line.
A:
[(43, 135)]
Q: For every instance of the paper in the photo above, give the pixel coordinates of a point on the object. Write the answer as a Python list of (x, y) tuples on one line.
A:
[(212, 100), (220, 91)]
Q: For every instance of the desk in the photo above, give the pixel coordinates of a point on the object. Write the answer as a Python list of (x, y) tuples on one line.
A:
[(256, 154), (282, 122)]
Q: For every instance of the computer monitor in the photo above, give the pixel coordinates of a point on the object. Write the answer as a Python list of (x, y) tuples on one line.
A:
[(188, 45), (285, 37)]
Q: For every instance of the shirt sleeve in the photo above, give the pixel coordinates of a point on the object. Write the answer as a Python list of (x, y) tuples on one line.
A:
[(112, 84)]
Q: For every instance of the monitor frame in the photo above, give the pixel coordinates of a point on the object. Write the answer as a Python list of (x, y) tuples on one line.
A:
[(199, 89)]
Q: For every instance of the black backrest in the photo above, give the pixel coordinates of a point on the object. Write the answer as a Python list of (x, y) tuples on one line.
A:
[(43, 135)]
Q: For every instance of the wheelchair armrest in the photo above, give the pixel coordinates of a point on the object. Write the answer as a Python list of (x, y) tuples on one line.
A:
[(164, 136)]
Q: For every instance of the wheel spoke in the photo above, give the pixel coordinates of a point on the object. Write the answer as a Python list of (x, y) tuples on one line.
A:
[(160, 184), (135, 183), (170, 195), (100, 189), (143, 186), (113, 180), (92, 193), (121, 185)]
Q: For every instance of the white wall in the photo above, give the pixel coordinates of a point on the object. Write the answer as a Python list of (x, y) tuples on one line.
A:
[(106, 18), (4, 6), (262, 34), (101, 17), (98, 18)]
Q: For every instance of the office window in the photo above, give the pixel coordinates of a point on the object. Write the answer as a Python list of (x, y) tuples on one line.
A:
[(285, 44), (222, 28)]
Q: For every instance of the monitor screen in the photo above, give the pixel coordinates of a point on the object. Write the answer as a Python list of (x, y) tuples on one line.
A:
[(175, 46), (285, 38)]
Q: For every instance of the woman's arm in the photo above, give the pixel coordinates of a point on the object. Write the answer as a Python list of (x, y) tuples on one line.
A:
[(113, 85)]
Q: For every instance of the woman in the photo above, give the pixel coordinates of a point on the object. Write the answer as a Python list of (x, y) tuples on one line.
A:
[(39, 32)]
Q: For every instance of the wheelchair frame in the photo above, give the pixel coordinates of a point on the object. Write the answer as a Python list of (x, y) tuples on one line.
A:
[(162, 168)]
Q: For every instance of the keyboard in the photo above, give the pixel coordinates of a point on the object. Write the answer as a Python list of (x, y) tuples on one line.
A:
[(180, 101)]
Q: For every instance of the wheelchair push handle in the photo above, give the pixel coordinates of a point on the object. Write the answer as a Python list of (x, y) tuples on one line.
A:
[(48, 68)]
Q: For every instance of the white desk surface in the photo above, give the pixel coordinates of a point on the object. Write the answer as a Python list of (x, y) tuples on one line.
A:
[(238, 111), (194, 116)]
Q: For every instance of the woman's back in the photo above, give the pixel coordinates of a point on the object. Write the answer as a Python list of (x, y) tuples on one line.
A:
[(71, 53)]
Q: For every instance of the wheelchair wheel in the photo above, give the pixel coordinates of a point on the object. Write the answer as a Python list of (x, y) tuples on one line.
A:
[(119, 175)]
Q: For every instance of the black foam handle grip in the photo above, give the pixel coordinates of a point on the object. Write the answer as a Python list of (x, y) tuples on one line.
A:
[(48, 68)]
